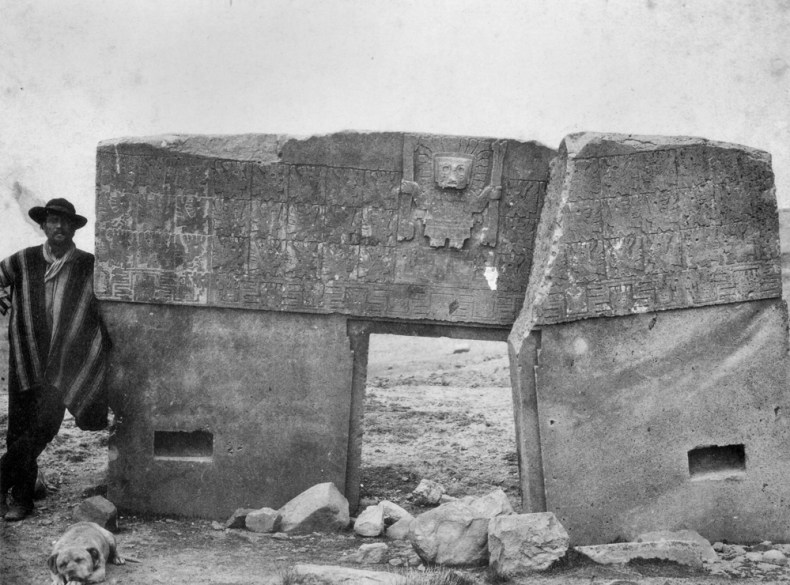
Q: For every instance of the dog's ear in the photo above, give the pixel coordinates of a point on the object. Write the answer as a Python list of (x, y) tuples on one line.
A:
[(52, 563), (94, 552)]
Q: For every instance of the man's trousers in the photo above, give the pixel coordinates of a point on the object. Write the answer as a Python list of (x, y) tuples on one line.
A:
[(34, 418)]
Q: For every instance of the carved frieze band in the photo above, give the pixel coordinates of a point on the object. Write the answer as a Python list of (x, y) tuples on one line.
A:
[(421, 244)]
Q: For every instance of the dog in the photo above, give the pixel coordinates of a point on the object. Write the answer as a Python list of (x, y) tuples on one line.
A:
[(82, 553)]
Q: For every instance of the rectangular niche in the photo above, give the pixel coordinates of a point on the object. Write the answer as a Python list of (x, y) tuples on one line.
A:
[(183, 445), (717, 462)]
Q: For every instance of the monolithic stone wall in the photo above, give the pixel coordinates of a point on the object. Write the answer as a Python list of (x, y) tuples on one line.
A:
[(649, 362), (373, 225), (639, 224)]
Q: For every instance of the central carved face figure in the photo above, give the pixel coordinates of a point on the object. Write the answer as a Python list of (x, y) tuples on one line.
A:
[(452, 170)]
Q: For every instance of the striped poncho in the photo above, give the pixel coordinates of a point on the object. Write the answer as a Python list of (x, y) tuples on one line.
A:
[(72, 355)]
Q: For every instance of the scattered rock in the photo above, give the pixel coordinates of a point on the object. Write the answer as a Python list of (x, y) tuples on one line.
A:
[(718, 547), (217, 526), (370, 522), (400, 530), (490, 505), (393, 512), (263, 520), (320, 508), (427, 492), (774, 557), (706, 552), (331, 575), (238, 518), (679, 551), (462, 348), (99, 510), (455, 533), (522, 543), (372, 554)]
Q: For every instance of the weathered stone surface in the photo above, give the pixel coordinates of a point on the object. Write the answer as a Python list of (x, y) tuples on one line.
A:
[(676, 383), (678, 240), (456, 533), (522, 543), (774, 557), (682, 552), (393, 512), (428, 492), (374, 553), (704, 548), (641, 223), (238, 518), (370, 522), (332, 575), (258, 379), (99, 510), (320, 508), (489, 505), (263, 520), (355, 223), (400, 530)]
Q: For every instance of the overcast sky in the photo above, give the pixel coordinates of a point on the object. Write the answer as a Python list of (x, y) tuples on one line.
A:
[(78, 72)]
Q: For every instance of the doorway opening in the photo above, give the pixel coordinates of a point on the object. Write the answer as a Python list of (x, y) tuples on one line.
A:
[(436, 407)]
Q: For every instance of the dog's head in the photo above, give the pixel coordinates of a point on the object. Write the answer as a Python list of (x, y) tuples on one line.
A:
[(74, 564)]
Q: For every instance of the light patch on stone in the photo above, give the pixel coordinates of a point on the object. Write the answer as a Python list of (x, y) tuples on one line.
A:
[(580, 346), (491, 275)]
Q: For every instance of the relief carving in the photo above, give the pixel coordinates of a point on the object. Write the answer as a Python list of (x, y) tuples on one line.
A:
[(452, 191)]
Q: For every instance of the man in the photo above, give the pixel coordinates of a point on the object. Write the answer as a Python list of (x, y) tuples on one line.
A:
[(58, 349)]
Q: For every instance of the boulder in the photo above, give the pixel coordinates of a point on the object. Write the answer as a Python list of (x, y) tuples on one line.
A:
[(263, 520), (456, 533), (490, 505), (682, 552), (370, 522), (400, 530), (393, 512), (319, 508), (99, 510), (706, 550), (374, 553), (523, 543), (330, 575), (428, 492), (774, 557), (238, 518)]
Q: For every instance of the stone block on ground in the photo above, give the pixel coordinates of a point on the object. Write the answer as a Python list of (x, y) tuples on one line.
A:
[(428, 492), (238, 518), (333, 575), (682, 552), (393, 512), (374, 553), (321, 508), (704, 547), (370, 522), (492, 504), (99, 510), (456, 533), (400, 530), (523, 543), (263, 520)]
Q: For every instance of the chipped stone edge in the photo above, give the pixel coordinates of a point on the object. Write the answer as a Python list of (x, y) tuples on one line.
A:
[(584, 145)]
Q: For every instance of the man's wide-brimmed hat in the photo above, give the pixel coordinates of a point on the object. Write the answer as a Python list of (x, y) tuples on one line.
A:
[(60, 207)]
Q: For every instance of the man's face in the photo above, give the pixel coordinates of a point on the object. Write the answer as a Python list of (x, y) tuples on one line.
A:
[(452, 171), (59, 229)]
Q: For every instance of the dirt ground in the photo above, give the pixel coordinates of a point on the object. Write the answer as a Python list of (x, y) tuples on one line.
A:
[(435, 408)]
